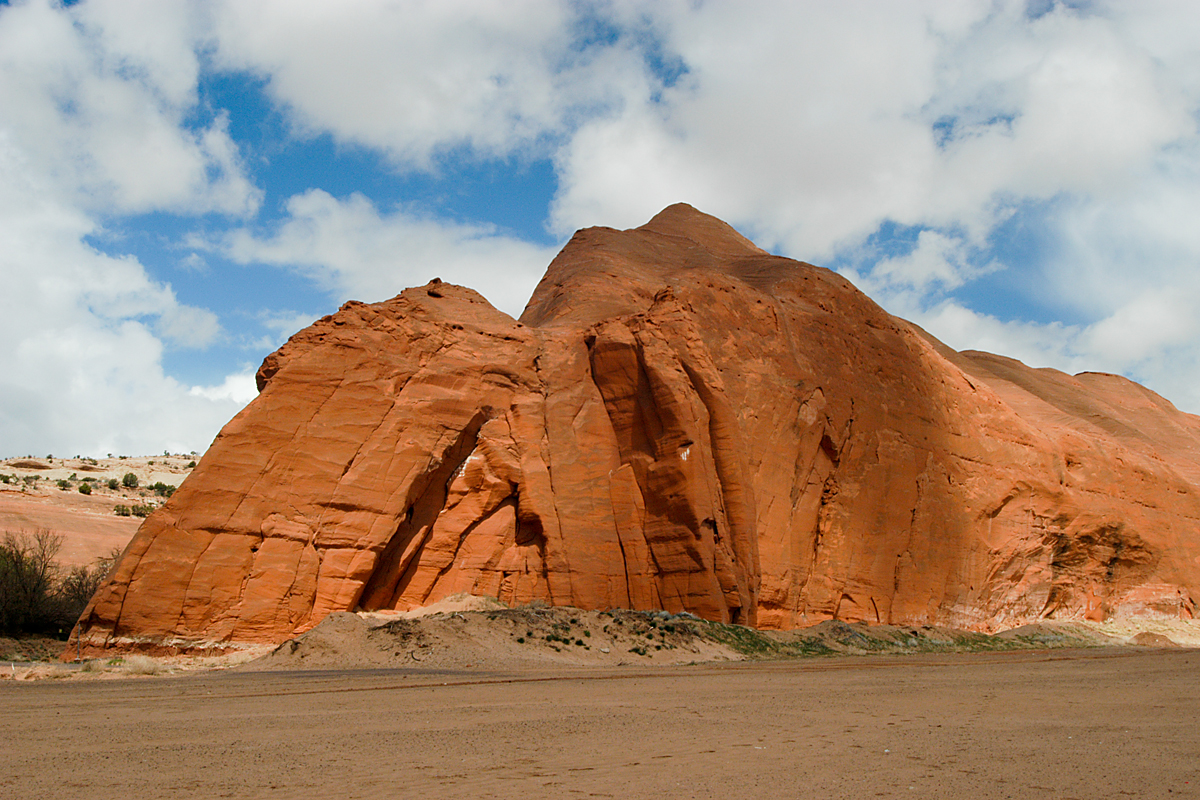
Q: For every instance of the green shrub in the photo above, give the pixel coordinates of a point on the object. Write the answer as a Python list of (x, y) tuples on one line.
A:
[(163, 489), (85, 488), (130, 481), (63, 484), (113, 484), (122, 511), (142, 511)]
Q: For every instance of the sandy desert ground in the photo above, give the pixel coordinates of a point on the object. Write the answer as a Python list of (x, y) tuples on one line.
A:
[(1096, 723)]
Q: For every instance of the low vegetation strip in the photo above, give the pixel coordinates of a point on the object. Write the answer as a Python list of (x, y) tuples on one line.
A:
[(479, 634)]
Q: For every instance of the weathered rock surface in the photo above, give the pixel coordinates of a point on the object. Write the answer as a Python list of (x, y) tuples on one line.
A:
[(679, 420)]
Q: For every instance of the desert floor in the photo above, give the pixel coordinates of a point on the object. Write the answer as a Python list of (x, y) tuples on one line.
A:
[(1095, 723)]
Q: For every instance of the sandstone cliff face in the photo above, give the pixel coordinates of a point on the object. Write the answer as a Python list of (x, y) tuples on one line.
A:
[(679, 420)]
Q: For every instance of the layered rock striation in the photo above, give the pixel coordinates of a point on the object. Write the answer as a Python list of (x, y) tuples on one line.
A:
[(678, 420)]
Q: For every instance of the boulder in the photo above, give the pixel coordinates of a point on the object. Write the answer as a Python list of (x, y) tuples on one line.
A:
[(678, 420)]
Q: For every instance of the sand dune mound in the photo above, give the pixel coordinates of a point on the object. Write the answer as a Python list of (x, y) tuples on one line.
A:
[(497, 639), (1151, 639)]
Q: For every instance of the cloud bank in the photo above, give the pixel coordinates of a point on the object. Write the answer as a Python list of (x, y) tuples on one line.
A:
[(94, 104)]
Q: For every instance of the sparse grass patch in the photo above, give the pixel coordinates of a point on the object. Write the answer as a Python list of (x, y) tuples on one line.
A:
[(142, 665)]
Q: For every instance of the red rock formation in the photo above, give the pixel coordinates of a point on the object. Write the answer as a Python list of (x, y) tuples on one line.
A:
[(679, 420)]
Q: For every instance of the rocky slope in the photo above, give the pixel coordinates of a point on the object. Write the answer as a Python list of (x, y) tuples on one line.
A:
[(43, 494), (679, 420)]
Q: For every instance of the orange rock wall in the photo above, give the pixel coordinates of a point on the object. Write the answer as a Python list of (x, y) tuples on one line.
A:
[(679, 420)]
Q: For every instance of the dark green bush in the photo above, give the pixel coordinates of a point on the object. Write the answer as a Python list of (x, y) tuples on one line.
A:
[(113, 483), (163, 489), (85, 488), (37, 596), (130, 481), (122, 511), (77, 586)]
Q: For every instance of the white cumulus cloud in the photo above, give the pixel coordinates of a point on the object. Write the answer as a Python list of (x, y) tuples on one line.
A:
[(415, 80), (357, 252), (240, 388), (93, 101)]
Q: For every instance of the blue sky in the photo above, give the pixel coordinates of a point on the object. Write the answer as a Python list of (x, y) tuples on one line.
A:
[(185, 184)]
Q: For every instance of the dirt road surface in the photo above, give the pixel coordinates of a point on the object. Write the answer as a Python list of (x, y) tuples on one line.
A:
[(1105, 723)]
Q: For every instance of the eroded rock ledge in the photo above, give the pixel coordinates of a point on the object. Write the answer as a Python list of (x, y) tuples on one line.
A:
[(679, 420)]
